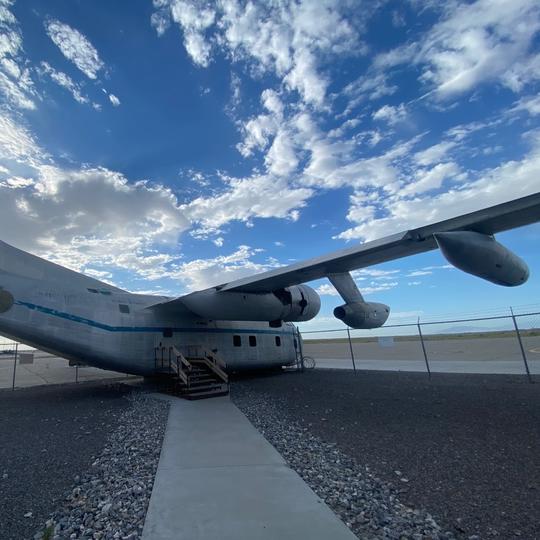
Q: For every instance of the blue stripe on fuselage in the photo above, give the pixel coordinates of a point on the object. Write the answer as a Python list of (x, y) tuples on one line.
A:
[(108, 328)]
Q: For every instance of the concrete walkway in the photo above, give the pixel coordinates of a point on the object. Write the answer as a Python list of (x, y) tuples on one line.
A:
[(218, 478)]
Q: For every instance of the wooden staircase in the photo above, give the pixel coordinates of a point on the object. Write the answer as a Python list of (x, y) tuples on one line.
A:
[(198, 374)]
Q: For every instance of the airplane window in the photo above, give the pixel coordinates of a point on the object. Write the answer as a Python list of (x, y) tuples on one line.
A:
[(278, 341), (92, 290), (106, 293), (237, 341), (124, 308), (252, 341)]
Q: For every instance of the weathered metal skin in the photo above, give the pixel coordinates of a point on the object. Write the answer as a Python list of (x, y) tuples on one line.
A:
[(363, 315), (294, 304), (79, 318), (481, 255)]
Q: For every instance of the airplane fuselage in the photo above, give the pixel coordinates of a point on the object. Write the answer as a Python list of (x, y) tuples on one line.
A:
[(83, 319)]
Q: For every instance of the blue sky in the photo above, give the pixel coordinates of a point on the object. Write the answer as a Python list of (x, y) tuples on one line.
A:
[(171, 145)]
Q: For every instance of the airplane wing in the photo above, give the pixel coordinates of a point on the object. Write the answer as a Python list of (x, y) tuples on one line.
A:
[(488, 221), (502, 217)]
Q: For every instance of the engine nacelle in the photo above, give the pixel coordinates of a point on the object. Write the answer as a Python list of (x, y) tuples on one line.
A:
[(481, 255), (296, 303), (363, 315)]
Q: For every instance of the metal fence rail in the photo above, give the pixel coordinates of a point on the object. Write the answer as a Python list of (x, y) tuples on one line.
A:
[(507, 338)]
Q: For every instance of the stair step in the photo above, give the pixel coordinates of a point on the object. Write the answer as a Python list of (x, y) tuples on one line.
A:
[(206, 395), (202, 387)]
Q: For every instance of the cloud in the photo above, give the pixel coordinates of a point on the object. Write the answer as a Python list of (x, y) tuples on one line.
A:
[(16, 83), (65, 81), (17, 144), (489, 187), (203, 273), (390, 114), (114, 100), (416, 273), (328, 290), (75, 47), (474, 42), (243, 199), (371, 86), (530, 104), (434, 153), (286, 39), (80, 217), (431, 179)]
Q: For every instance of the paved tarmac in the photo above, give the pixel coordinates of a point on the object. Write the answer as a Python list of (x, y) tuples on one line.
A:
[(497, 356), (47, 369), (218, 478), (499, 367)]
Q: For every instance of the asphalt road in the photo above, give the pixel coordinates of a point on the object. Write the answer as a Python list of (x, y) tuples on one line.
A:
[(49, 434), (464, 447)]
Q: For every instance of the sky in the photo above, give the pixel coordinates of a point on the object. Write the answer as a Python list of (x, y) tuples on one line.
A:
[(172, 145)]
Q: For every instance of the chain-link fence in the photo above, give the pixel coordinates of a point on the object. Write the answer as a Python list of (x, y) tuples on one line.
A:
[(504, 344), (22, 366)]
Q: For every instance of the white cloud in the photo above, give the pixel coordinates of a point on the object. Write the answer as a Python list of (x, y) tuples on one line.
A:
[(247, 198), (65, 81), (286, 39), (371, 86), (281, 159), (203, 273), (390, 114), (430, 179), (18, 144), (434, 154), (81, 216), (531, 104), (15, 81), (474, 42), (416, 273), (114, 100), (75, 47), (509, 180), (328, 290)]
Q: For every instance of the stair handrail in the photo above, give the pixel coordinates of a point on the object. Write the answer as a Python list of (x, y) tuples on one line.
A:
[(215, 363), (181, 366)]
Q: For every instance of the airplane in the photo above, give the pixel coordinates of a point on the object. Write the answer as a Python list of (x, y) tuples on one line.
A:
[(249, 322)]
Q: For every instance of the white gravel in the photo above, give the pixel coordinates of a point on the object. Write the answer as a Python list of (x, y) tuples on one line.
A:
[(110, 500), (367, 505)]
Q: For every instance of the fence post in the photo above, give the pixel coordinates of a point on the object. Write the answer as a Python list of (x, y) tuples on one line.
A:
[(521, 345), (350, 346), (77, 373), (423, 347), (15, 364)]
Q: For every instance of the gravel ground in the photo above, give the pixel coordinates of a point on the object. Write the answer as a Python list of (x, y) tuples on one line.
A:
[(49, 434), (464, 448), (110, 500), (369, 506)]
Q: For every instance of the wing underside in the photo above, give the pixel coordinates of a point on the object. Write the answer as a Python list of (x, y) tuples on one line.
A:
[(487, 222)]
